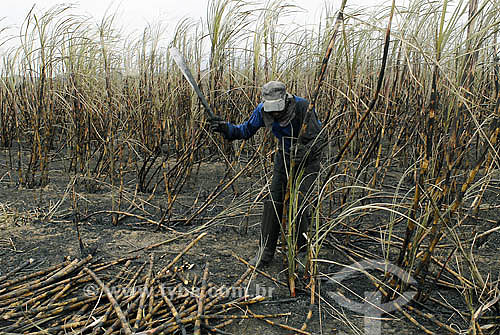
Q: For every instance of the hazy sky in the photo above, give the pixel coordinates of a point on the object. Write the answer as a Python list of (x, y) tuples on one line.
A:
[(135, 14)]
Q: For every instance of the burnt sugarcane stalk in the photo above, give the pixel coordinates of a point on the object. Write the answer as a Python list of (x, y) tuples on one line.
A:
[(118, 310), (287, 212), (358, 125), (16, 270), (102, 266), (109, 309), (140, 310), (71, 303), (54, 288), (422, 172), (151, 302), (215, 194), (223, 324), (58, 275), (243, 301), (312, 269), (183, 252), (173, 310), (171, 313), (51, 312), (54, 330), (286, 327), (190, 312), (187, 298), (255, 316), (438, 226), (79, 315), (4, 286), (432, 318), (132, 304), (440, 221), (184, 297), (253, 268), (170, 325), (201, 300)]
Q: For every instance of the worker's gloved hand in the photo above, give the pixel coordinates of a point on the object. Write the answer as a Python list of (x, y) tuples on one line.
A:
[(299, 151), (219, 126)]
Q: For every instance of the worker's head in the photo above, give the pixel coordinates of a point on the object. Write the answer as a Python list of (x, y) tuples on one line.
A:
[(274, 96), (278, 104)]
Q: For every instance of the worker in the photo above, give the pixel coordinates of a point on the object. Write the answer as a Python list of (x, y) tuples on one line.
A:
[(284, 114)]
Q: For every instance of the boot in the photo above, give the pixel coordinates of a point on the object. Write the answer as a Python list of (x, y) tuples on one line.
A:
[(269, 233)]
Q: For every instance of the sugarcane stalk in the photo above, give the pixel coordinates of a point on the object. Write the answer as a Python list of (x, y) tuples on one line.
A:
[(236, 284), (171, 327), (76, 318), (109, 309), (182, 253), (53, 308), (441, 221), (186, 298), (242, 301), (189, 308), (118, 310), (215, 194), (12, 282), (359, 123), (65, 326), (69, 306), (268, 276), (223, 324), (312, 285), (173, 310), (14, 271), (101, 266), (58, 275), (201, 299), (287, 212), (54, 288), (385, 294), (413, 320), (34, 324), (140, 310), (255, 316), (132, 304), (286, 327), (214, 330), (151, 301)]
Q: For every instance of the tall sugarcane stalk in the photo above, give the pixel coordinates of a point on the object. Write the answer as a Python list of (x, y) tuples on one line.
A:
[(288, 220), (313, 253)]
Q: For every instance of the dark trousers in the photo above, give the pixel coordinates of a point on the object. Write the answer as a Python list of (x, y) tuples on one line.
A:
[(278, 188)]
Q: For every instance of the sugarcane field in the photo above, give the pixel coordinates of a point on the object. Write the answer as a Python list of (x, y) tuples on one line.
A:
[(139, 194)]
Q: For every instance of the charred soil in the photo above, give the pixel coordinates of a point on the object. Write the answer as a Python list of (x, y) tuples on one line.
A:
[(42, 224)]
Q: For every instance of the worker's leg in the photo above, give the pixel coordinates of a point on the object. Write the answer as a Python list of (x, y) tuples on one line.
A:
[(272, 213)]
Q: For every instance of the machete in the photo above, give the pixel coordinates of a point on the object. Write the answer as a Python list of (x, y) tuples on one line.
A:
[(179, 60)]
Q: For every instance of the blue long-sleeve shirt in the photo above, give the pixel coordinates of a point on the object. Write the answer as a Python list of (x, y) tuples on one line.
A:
[(284, 134)]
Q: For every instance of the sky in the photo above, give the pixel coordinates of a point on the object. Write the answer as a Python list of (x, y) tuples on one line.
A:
[(134, 15)]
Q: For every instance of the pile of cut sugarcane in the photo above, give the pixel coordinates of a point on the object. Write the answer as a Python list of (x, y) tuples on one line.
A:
[(74, 297)]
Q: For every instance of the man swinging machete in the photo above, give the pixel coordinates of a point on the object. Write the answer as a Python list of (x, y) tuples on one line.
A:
[(284, 114)]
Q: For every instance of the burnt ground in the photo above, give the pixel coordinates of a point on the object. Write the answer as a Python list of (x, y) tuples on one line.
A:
[(38, 223)]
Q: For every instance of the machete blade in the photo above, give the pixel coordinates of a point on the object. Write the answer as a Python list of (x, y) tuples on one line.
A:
[(179, 60)]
